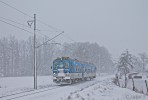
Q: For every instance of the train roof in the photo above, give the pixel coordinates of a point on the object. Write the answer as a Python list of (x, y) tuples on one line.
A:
[(68, 58)]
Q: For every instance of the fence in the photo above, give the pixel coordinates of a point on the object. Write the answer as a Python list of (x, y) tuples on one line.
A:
[(135, 84)]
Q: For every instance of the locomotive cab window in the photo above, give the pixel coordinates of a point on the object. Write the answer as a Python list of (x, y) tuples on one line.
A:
[(61, 65), (66, 65), (55, 65)]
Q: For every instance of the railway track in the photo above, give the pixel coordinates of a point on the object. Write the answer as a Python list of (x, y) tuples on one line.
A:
[(27, 93), (32, 92)]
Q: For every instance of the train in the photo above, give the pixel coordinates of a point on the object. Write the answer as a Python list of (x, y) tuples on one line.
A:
[(68, 71)]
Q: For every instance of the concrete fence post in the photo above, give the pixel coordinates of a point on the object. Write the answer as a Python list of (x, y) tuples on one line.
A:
[(133, 84), (118, 81), (125, 81), (146, 86)]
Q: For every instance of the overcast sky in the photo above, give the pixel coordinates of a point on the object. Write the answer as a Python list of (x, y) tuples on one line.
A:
[(115, 24)]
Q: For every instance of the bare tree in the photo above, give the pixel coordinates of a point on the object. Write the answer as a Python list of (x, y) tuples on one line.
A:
[(125, 63)]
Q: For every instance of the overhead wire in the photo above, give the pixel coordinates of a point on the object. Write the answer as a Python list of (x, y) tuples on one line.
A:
[(16, 26), (39, 32), (51, 27), (50, 39), (31, 32), (19, 24), (14, 22), (68, 37), (31, 16), (45, 30), (15, 9)]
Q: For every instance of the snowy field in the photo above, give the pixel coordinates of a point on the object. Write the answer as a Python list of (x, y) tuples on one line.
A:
[(12, 85), (100, 88)]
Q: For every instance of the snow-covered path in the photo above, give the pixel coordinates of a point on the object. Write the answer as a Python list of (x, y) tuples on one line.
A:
[(100, 88)]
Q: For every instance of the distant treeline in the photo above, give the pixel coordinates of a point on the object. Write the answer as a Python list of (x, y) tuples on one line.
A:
[(16, 56)]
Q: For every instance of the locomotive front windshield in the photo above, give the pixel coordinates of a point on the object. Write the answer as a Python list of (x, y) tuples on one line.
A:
[(60, 65)]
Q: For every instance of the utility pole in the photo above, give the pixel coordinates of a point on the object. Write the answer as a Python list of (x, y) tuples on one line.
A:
[(35, 64), (35, 48)]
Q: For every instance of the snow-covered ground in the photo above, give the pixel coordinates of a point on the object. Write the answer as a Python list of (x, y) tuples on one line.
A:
[(100, 88), (12, 85)]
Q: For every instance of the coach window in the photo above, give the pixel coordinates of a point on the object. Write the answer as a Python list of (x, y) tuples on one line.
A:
[(76, 68), (72, 68)]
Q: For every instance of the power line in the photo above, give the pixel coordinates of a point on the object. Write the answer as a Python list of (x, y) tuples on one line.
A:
[(15, 26), (26, 26), (57, 30), (68, 37), (30, 16), (15, 9), (22, 25), (42, 34), (51, 27), (45, 30), (50, 39), (14, 22)]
